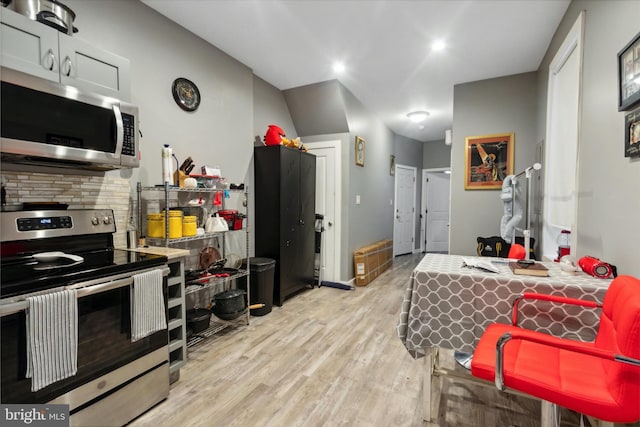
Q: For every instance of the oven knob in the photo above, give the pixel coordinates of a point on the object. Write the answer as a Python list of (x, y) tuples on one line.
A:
[(95, 221), (106, 220)]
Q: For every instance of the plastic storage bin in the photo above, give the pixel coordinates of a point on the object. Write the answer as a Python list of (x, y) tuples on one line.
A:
[(262, 274), (189, 226)]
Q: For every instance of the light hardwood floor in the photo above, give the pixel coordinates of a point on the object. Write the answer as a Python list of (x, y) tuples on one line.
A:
[(327, 357)]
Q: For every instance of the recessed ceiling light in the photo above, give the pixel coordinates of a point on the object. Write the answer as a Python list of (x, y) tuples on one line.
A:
[(438, 45), (417, 116), (338, 67)]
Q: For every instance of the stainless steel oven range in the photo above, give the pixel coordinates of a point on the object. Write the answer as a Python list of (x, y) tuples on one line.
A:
[(43, 252)]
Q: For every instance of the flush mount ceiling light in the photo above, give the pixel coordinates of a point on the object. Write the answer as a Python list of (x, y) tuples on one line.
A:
[(417, 116), (438, 45), (338, 67)]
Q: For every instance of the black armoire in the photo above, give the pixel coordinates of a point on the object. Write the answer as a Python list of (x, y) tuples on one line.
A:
[(285, 198)]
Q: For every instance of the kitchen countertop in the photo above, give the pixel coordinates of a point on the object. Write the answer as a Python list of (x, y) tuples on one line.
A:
[(170, 253)]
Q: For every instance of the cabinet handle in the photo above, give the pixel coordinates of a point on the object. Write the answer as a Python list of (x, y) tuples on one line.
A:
[(67, 66), (52, 58)]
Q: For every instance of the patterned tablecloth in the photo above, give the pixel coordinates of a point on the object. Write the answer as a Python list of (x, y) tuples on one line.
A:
[(449, 305)]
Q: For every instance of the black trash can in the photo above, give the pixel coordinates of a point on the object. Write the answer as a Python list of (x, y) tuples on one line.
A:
[(262, 272)]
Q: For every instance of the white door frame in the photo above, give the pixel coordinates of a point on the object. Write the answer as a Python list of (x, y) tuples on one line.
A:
[(572, 44), (337, 222), (395, 205), (423, 205)]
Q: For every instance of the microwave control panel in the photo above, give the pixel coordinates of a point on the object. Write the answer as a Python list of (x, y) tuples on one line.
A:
[(129, 142)]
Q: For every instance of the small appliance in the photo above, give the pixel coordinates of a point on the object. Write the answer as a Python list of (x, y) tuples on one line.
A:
[(597, 268), (51, 124), (564, 244)]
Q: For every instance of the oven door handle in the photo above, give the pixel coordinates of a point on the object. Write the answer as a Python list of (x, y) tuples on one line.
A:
[(82, 291)]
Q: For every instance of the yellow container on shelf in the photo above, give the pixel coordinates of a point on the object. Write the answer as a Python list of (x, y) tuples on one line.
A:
[(175, 224), (189, 226), (155, 225)]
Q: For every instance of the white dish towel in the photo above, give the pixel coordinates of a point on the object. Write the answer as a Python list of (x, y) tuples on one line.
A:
[(52, 338), (147, 304)]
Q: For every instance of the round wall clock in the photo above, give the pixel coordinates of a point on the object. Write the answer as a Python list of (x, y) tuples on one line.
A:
[(186, 94)]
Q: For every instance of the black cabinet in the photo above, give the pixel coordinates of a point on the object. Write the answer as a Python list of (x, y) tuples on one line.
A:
[(285, 197)]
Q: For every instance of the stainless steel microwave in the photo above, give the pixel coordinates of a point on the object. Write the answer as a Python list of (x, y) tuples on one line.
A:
[(47, 123)]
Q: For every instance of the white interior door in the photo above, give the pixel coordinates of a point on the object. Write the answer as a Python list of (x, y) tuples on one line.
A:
[(404, 220), (438, 191), (327, 204)]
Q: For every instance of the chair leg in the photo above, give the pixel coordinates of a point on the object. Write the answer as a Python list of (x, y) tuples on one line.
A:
[(463, 359), (429, 360), (548, 414)]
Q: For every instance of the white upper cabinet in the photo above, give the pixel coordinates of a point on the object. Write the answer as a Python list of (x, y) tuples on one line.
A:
[(37, 49)]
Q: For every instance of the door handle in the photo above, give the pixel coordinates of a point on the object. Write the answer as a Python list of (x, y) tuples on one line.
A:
[(330, 224), (119, 128)]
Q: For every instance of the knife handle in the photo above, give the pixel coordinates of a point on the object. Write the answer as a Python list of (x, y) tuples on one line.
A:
[(185, 164)]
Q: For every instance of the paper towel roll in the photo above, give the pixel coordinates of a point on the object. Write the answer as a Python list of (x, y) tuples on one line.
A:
[(167, 175)]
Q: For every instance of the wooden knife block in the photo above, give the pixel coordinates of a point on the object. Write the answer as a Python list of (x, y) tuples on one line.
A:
[(179, 177)]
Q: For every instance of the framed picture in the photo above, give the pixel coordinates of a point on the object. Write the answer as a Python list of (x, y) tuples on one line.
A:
[(488, 160), (632, 133), (392, 165), (629, 75), (359, 151)]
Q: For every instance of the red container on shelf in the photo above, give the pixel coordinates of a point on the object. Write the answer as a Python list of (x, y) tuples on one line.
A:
[(233, 218)]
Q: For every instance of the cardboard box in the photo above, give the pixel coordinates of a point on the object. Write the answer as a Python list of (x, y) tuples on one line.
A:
[(372, 260)]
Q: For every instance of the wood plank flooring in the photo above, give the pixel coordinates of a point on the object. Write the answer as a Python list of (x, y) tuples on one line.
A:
[(327, 357)]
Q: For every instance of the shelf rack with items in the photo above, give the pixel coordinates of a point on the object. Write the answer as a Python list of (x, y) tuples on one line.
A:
[(176, 318), (207, 285)]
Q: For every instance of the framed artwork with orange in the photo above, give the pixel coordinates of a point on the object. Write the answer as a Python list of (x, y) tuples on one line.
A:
[(488, 160)]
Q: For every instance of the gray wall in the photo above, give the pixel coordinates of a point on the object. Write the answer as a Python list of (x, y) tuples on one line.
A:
[(236, 105), (608, 201), (318, 108), (436, 155), (502, 105), (328, 111), (270, 107), (220, 132), (372, 219)]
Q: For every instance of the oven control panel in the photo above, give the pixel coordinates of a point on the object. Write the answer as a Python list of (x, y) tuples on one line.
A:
[(46, 223), (21, 225)]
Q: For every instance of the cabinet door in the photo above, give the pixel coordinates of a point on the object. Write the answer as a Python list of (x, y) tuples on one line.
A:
[(29, 46), (306, 226), (289, 217), (89, 68)]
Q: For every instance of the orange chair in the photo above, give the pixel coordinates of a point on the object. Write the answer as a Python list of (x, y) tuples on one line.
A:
[(600, 379)]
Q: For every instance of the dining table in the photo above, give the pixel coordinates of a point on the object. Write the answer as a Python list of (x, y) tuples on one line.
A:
[(448, 304)]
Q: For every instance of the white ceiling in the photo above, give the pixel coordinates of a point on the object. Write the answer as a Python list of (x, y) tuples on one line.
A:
[(385, 46)]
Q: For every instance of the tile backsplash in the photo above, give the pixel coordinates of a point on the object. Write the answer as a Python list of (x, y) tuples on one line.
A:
[(78, 191)]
